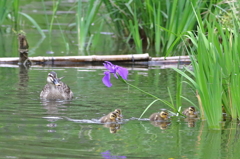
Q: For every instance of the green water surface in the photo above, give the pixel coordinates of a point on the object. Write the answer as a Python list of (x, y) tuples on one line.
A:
[(31, 128)]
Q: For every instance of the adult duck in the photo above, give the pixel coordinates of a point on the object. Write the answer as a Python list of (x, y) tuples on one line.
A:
[(56, 89)]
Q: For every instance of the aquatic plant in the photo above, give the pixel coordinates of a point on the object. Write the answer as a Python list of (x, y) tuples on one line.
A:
[(55, 6), (216, 76), (122, 74), (84, 19), (154, 23), (35, 24), (9, 8)]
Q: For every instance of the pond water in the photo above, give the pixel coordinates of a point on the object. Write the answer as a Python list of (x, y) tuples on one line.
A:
[(31, 128)]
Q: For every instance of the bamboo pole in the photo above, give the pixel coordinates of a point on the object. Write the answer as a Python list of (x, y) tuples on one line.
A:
[(66, 60), (173, 58), (170, 60), (93, 58)]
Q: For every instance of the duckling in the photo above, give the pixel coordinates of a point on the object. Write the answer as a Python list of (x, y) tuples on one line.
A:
[(111, 117), (55, 88), (119, 113), (190, 112), (223, 109), (224, 114), (163, 115)]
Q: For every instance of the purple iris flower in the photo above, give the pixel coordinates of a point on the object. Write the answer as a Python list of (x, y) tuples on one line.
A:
[(115, 70)]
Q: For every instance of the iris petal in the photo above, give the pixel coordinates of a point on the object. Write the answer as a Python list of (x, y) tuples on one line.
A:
[(115, 70), (108, 65), (106, 79), (123, 72)]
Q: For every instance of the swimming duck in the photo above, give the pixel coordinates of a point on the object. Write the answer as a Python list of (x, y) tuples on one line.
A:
[(163, 115), (190, 112), (55, 88), (111, 117)]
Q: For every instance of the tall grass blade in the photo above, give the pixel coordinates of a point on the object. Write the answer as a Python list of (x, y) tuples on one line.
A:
[(34, 23), (84, 18)]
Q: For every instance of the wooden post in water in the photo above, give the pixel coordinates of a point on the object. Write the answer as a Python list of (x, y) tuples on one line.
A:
[(23, 50)]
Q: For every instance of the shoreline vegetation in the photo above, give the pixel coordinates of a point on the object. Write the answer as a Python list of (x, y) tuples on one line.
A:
[(206, 31)]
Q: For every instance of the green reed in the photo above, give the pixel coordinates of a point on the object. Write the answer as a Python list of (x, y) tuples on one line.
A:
[(56, 4), (215, 60), (84, 18), (34, 23), (158, 24), (50, 23), (9, 9)]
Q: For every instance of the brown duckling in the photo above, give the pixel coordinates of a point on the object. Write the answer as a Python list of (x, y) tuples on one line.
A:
[(223, 109), (163, 115), (119, 113), (111, 117), (190, 112)]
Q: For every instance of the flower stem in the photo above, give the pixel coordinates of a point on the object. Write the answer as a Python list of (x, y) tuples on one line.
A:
[(164, 101), (139, 89)]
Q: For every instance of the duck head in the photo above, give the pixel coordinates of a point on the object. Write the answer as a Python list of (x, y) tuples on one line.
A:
[(191, 110), (118, 112), (113, 116), (52, 78), (163, 114)]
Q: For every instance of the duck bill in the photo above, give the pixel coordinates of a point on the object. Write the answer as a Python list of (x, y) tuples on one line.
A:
[(56, 82)]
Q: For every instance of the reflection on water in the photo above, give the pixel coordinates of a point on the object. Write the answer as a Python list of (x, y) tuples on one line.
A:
[(161, 124), (23, 77), (53, 113), (53, 106), (191, 121), (108, 155), (113, 127), (33, 128)]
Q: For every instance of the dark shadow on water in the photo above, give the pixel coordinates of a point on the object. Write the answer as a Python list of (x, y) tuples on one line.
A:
[(23, 78)]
